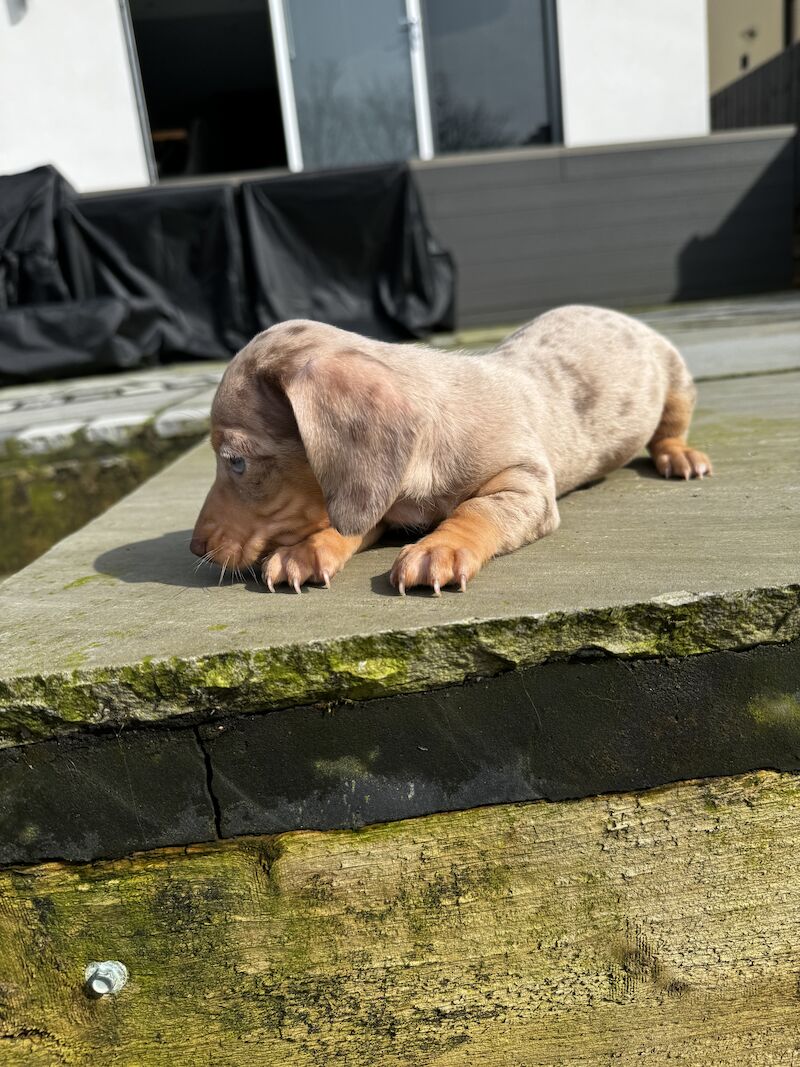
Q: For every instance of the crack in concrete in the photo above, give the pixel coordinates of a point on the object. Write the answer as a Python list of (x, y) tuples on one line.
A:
[(209, 768)]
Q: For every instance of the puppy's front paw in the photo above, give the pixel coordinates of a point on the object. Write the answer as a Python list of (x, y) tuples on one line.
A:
[(316, 559), (435, 563)]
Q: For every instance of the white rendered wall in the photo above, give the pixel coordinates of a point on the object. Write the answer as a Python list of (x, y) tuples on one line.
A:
[(66, 93), (633, 70)]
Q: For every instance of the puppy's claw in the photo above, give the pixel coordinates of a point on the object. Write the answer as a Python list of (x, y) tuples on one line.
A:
[(270, 585), (326, 578), (401, 588), (437, 589), (462, 583), (296, 585)]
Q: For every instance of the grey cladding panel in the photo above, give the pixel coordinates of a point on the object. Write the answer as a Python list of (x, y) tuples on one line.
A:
[(512, 315), (640, 217), (530, 244), (659, 276), (624, 227), (623, 266), (662, 160), (618, 190), (453, 177)]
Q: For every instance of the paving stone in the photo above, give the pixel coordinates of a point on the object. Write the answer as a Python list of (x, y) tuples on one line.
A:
[(116, 625), (48, 437), (109, 405)]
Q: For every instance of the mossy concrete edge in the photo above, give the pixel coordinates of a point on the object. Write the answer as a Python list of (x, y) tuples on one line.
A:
[(358, 667)]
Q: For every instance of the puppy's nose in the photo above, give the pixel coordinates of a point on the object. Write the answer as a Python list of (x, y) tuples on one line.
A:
[(198, 546)]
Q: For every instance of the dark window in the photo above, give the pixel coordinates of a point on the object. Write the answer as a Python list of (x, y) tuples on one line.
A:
[(489, 79), (352, 81)]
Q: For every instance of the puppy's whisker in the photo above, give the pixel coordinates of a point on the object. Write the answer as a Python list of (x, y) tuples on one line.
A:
[(203, 559), (222, 572)]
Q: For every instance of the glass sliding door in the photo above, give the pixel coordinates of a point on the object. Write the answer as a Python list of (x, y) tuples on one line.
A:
[(491, 73), (351, 73)]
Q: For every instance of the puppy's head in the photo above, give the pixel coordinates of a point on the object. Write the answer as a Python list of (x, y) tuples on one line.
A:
[(310, 430)]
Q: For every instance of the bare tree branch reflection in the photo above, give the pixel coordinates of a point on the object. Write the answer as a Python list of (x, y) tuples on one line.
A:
[(373, 122)]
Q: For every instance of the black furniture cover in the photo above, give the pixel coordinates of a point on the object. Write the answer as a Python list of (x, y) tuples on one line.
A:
[(128, 279), (348, 247)]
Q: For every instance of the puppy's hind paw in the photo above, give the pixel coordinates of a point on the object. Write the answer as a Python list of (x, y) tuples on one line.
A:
[(680, 461)]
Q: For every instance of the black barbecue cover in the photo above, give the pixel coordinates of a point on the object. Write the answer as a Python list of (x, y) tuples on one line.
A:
[(130, 279)]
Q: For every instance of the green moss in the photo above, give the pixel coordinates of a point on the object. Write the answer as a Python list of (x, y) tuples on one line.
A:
[(219, 626), (346, 766), (78, 582), (371, 668), (44, 498), (76, 659), (781, 710), (382, 664)]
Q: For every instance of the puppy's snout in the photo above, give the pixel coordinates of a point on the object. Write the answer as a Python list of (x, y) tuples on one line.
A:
[(198, 546)]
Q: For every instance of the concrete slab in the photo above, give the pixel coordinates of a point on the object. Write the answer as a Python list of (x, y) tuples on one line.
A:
[(114, 626), (740, 313), (723, 352), (756, 335)]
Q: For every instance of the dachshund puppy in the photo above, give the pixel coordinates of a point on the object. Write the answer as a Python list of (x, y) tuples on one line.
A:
[(324, 438)]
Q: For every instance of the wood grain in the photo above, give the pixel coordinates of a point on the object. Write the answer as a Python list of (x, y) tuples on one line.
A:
[(630, 929)]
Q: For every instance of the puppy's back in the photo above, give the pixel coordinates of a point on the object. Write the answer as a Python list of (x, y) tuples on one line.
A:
[(599, 380)]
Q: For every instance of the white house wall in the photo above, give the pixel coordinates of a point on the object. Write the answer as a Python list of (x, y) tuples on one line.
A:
[(66, 93), (632, 70)]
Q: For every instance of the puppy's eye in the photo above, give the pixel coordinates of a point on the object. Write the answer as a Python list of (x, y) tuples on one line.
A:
[(237, 464)]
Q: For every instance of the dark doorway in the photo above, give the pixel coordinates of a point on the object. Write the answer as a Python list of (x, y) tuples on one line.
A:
[(209, 81)]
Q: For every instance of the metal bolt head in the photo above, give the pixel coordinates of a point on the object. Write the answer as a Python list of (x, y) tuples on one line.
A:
[(107, 977)]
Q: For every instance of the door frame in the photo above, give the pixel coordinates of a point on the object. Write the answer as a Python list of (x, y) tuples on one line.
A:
[(138, 90), (284, 53), (415, 28)]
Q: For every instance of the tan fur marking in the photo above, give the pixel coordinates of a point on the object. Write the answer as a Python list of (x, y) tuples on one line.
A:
[(676, 417), (478, 529)]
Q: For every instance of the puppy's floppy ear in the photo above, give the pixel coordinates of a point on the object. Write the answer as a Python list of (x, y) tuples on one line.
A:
[(358, 430)]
